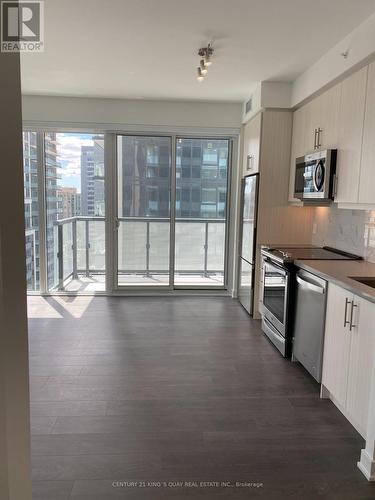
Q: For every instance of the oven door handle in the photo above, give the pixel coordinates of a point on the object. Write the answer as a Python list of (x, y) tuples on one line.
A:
[(310, 286), (272, 263)]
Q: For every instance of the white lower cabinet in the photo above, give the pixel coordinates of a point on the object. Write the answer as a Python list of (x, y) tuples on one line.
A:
[(349, 353), (362, 357), (336, 344)]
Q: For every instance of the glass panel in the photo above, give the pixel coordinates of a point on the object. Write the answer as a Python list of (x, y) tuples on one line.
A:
[(81, 246), (143, 178), (75, 211), (189, 250), (30, 175), (201, 197), (132, 246), (97, 245), (67, 231), (215, 251), (159, 240)]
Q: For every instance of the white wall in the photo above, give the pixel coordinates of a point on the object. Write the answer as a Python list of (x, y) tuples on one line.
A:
[(268, 95), (160, 115), (15, 482), (360, 45)]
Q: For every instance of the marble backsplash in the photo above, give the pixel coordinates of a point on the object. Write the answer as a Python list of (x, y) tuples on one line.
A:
[(349, 230)]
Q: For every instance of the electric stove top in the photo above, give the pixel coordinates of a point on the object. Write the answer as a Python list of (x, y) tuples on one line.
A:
[(290, 254)]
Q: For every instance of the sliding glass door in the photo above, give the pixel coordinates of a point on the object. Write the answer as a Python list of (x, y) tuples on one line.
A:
[(143, 210), (152, 215), (75, 211), (160, 244), (200, 217)]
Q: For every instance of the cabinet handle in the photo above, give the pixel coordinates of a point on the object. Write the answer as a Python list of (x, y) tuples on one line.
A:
[(347, 302), (351, 326), (319, 145), (249, 159), (315, 138)]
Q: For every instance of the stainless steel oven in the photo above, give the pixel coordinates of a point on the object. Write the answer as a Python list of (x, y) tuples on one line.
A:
[(315, 176), (275, 304)]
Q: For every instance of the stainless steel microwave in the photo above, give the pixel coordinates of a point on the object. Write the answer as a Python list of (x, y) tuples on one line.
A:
[(315, 176)]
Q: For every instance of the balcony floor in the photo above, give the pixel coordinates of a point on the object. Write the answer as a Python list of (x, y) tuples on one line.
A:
[(177, 389), (96, 282)]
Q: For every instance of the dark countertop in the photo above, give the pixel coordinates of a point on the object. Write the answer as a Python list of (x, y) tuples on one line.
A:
[(339, 272)]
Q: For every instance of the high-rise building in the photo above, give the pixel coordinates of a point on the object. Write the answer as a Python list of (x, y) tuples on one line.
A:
[(87, 180), (30, 174), (53, 205), (201, 177), (99, 195), (32, 223), (70, 202), (92, 178)]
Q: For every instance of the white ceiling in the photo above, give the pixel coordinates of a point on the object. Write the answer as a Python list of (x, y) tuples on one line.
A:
[(147, 48)]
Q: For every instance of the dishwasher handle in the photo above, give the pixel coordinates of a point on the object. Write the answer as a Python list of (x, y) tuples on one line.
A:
[(310, 286)]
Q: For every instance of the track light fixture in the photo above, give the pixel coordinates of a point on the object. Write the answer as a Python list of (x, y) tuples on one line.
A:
[(206, 60)]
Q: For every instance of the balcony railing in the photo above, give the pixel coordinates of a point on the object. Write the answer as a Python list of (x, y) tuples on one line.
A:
[(143, 247)]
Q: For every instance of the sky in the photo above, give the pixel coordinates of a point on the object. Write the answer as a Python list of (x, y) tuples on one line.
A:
[(69, 157)]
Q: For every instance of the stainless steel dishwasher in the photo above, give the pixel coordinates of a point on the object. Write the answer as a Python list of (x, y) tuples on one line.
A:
[(309, 321)]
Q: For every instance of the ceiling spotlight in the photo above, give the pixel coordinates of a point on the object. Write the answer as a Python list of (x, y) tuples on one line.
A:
[(203, 67), (207, 60), (200, 76)]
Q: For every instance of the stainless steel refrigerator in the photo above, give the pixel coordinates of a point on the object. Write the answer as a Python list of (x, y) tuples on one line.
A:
[(249, 207)]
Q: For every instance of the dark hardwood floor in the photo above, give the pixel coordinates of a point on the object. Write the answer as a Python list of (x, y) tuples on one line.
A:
[(177, 389)]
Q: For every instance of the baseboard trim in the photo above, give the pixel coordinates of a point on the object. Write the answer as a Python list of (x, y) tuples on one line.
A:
[(367, 466)]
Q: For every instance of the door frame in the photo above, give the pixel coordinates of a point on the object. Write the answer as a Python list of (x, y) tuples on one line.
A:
[(110, 131), (113, 217), (112, 213), (213, 137)]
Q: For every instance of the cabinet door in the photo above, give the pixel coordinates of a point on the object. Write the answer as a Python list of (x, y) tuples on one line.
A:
[(300, 119), (326, 117), (367, 180), (252, 131), (362, 357), (313, 119), (352, 110), (336, 344)]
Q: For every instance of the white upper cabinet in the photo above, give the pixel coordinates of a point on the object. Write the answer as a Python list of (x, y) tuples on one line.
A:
[(325, 118), (342, 118), (251, 145), (352, 110), (315, 126), (367, 179)]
